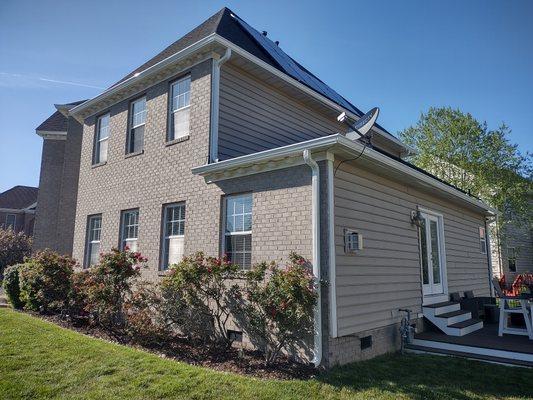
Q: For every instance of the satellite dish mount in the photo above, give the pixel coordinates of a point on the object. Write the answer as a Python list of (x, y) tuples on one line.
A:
[(362, 129)]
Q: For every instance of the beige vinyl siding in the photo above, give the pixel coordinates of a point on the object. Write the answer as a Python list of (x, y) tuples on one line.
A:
[(256, 117), (385, 275)]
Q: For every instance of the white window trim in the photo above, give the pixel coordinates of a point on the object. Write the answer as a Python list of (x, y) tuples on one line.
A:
[(123, 239), (90, 243), (224, 220), (99, 140), (164, 263), (171, 135), (131, 118)]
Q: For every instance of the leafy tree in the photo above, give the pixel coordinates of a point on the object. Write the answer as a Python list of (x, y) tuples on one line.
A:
[(13, 248), (457, 148)]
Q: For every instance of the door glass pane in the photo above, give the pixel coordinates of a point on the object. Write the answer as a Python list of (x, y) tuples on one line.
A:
[(424, 251), (435, 255)]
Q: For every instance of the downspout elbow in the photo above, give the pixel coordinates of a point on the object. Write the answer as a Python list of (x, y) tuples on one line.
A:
[(315, 189)]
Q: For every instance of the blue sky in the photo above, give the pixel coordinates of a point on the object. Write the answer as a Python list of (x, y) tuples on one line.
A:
[(403, 56)]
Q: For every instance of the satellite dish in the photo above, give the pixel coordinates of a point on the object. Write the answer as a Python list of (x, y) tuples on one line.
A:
[(363, 124)]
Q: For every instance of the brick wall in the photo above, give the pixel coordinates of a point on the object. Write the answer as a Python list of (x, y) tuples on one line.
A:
[(46, 216), (162, 174)]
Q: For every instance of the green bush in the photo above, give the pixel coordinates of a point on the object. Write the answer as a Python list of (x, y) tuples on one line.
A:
[(14, 247), (279, 305), (106, 287), (200, 290), (11, 285), (45, 282)]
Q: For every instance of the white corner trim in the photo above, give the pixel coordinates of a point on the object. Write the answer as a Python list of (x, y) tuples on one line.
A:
[(315, 189), (52, 135), (215, 96), (331, 251)]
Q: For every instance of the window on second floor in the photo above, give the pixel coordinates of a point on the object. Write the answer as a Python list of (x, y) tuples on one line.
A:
[(179, 108), (238, 229), (101, 139), (136, 123), (129, 229), (11, 221)]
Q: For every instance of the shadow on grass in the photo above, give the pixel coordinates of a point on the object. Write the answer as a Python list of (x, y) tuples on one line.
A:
[(432, 377)]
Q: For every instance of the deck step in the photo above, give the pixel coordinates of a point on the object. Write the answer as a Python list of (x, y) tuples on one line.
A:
[(480, 357), (465, 324), (453, 314), (443, 304)]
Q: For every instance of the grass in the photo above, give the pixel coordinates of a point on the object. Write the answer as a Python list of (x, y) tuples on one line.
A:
[(39, 360)]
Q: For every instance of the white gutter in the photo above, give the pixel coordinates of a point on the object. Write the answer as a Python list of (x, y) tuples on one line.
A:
[(315, 189), (215, 91), (331, 251)]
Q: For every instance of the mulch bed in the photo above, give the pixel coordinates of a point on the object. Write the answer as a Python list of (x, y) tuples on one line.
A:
[(240, 361)]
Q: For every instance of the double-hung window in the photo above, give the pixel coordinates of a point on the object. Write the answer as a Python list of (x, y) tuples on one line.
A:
[(94, 230), (11, 221), (511, 259), (137, 122), (173, 234), (179, 108), (101, 139), (238, 229), (482, 240), (129, 229)]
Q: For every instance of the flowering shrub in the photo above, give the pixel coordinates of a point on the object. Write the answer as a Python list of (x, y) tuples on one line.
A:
[(103, 290), (45, 281), (11, 285), (279, 307), (13, 248), (202, 290)]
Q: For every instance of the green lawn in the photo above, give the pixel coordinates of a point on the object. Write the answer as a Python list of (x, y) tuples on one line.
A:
[(40, 360)]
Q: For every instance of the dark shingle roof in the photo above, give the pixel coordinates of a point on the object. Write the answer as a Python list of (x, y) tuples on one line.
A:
[(57, 122), (18, 197)]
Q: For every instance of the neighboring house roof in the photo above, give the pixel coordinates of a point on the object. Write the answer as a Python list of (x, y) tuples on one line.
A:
[(231, 27), (57, 122), (19, 197)]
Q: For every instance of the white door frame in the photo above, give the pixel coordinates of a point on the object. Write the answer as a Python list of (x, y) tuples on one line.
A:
[(442, 250)]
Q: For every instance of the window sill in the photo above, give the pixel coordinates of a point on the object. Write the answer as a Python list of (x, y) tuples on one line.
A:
[(137, 153), (98, 164), (178, 140)]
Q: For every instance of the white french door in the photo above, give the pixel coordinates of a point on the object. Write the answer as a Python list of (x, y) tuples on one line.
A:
[(432, 254)]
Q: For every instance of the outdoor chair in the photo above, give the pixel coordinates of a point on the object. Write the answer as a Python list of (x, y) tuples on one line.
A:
[(476, 305), (506, 309)]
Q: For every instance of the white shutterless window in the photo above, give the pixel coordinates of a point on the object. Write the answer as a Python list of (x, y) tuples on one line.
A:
[(101, 140), (179, 108), (482, 240), (11, 221), (238, 229), (94, 230), (173, 234), (137, 122), (129, 231)]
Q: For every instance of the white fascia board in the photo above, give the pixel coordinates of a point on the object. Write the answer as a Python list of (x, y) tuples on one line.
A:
[(145, 73), (53, 135), (335, 144)]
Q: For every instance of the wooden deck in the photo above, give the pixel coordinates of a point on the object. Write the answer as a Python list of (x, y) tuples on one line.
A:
[(484, 344)]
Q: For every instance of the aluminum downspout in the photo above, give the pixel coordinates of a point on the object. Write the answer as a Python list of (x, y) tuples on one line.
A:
[(315, 189), (215, 96)]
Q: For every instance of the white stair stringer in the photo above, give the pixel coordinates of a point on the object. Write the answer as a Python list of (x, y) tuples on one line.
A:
[(450, 320)]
